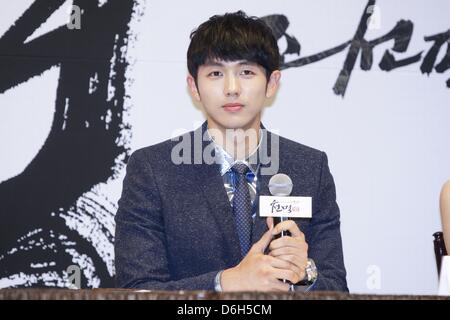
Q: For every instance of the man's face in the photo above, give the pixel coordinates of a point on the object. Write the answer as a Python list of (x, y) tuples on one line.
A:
[(233, 94)]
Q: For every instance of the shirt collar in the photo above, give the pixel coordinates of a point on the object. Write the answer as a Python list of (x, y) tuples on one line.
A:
[(226, 161)]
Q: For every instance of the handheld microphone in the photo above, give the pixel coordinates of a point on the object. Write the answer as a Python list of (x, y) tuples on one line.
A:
[(280, 185), (281, 206)]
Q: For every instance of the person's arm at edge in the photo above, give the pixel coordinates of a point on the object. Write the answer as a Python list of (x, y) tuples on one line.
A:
[(444, 204)]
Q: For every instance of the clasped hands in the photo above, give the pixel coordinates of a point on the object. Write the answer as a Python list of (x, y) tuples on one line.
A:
[(286, 259)]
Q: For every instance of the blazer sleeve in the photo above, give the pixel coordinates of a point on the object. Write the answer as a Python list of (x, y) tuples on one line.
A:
[(325, 243), (140, 244)]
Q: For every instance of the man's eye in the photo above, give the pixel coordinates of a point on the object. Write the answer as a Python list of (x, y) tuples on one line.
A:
[(247, 72), (214, 74)]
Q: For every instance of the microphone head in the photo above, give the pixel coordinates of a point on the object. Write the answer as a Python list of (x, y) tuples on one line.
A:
[(280, 185)]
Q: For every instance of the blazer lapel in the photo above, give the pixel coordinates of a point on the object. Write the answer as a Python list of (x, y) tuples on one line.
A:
[(211, 183), (260, 226)]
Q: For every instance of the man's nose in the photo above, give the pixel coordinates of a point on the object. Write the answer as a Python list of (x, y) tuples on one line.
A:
[(232, 86)]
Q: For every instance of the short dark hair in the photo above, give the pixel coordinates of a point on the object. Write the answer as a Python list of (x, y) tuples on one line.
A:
[(232, 37)]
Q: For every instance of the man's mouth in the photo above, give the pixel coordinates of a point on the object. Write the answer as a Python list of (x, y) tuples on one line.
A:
[(233, 107)]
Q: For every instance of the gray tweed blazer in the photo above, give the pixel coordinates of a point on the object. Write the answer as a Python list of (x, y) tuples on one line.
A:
[(174, 225)]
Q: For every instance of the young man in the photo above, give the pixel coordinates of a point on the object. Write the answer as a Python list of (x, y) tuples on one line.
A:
[(188, 217)]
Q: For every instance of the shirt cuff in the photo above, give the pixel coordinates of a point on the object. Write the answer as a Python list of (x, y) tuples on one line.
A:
[(299, 288), (217, 284)]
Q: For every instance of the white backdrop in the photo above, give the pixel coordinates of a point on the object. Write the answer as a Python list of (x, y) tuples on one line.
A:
[(387, 140)]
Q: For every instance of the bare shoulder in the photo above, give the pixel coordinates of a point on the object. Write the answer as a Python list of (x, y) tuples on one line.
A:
[(445, 193)]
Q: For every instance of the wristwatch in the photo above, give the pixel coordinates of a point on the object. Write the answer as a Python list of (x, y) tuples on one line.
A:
[(310, 274)]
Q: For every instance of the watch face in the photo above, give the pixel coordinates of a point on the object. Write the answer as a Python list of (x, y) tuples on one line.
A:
[(311, 270), (310, 274)]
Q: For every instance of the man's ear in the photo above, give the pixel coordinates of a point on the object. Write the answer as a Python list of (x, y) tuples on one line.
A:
[(193, 87), (273, 83)]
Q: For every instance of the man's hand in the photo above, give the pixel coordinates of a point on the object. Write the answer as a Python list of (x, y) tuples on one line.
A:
[(292, 249), (260, 272)]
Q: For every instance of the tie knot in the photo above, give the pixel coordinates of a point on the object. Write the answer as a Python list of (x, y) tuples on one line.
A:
[(240, 168)]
